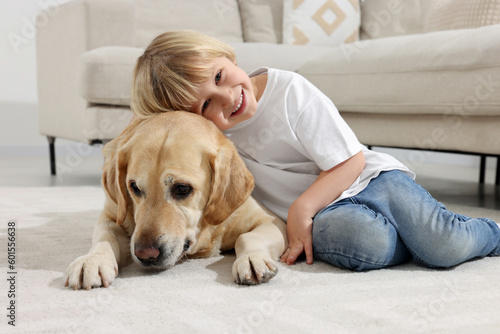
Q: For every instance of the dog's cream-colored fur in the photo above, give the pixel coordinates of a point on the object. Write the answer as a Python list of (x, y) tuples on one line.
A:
[(176, 188)]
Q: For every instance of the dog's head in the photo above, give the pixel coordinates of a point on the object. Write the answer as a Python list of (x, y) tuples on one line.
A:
[(173, 173)]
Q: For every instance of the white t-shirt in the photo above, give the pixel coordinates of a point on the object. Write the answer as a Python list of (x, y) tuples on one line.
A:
[(296, 133)]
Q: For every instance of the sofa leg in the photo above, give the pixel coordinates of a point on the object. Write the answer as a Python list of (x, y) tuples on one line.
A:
[(497, 176), (52, 153), (482, 169)]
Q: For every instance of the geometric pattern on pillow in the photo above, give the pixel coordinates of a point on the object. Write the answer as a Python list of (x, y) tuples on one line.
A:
[(320, 22)]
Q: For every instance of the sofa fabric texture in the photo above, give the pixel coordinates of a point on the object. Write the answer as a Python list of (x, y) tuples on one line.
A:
[(462, 14), (220, 18), (262, 20), (380, 19), (402, 84)]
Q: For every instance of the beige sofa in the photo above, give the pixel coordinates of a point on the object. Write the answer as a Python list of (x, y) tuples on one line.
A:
[(407, 83)]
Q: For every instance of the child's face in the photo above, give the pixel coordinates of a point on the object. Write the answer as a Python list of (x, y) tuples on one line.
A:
[(227, 98)]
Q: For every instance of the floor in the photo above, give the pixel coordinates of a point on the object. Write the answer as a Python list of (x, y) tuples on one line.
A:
[(81, 166)]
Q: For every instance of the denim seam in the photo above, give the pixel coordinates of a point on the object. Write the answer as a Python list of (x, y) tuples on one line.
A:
[(418, 258)]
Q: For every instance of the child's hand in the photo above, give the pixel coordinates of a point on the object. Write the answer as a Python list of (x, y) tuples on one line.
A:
[(299, 232)]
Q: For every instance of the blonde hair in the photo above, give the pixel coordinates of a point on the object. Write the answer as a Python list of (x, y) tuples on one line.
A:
[(170, 71)]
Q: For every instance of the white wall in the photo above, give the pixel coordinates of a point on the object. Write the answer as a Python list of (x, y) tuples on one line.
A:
[(18, 94), (18, 77)]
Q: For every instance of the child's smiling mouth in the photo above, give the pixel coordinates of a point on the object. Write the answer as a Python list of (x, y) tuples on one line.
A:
[(240, 105)]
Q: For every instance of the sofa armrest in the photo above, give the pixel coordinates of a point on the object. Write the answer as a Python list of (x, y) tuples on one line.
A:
[(72, 29)]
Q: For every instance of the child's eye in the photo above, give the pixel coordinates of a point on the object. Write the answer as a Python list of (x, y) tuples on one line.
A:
[(218, 76), (205, 106)]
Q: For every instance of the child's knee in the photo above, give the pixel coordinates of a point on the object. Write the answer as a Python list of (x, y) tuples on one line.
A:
[(354, 237), (445, 253)]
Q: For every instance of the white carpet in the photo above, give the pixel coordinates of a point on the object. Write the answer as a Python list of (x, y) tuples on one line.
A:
[(54, 226)]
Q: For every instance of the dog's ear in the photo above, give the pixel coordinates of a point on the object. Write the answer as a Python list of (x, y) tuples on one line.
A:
[(232, 183), (114, 178), (123, 198)]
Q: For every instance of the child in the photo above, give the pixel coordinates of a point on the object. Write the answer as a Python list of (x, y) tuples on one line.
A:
[(344, 204)]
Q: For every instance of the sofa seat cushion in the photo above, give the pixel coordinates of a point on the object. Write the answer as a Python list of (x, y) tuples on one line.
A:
[(105, 74), (446, 72)]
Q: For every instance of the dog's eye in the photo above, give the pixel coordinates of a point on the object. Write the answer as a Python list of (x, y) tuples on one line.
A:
[(181, 191), (135, 189)]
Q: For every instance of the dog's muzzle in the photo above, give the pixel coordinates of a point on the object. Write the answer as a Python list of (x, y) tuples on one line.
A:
[(160, 256)]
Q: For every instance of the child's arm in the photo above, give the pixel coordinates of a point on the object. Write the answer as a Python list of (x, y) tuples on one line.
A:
[(327, 187)]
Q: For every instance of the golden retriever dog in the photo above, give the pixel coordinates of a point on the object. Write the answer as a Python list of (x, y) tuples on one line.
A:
[(176, 188)]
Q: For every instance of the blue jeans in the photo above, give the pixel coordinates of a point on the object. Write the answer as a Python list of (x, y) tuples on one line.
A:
[(394, 220)]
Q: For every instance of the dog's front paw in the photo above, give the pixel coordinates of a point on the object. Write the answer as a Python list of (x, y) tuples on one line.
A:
[(96, 269), (255, 268)]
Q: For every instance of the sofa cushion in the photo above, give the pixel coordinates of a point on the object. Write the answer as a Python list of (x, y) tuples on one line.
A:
[(454, 72), (383, 18), (320, 22), (220, 18), (105, 74), (262, 20), (251, 56)]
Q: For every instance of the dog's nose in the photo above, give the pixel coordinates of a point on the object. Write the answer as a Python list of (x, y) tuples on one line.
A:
[(147, 255)]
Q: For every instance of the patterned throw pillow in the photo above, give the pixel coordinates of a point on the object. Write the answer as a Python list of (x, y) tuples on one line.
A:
[(462, 14), (320, 22)]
